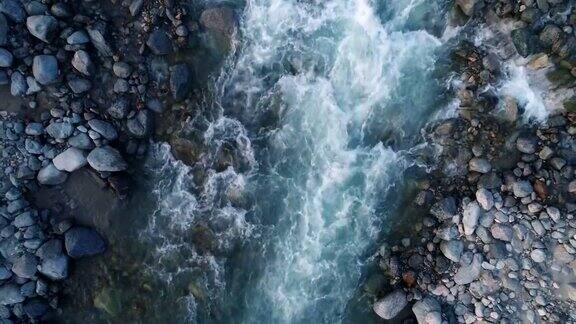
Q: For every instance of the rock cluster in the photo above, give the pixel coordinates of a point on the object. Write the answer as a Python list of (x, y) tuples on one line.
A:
[(498, 239)]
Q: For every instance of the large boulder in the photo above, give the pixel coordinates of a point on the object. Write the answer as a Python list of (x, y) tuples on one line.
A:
[(106, 158), (83, 241), (70, 160), (221, 25), (389, 306)]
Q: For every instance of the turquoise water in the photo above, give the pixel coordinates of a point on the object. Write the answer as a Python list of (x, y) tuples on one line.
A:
[(317, 109)]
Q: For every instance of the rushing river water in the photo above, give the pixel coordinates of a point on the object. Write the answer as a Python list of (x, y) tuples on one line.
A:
[(319, 104), (317, 110)]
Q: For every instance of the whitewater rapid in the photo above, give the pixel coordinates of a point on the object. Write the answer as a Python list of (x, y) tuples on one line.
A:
[(321, 100)]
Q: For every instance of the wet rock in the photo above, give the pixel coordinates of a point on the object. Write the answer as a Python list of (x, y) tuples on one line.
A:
[(119, 108), (141, 125), (45, 69), (122, 70), (106, 158), (79, 85), (99, 41), (83, 63), (221, 25), (550, 35), (467, 6), (83, 241), (180, 81), (524, 41), (10, 294), (159, 42), (444, 209), (427, 311), (526, 145), (70, 160), (36, 307), (471, 214), (25, 266), (522, 189), (479, 165), (391, 305), (42, 27), (49, 175)]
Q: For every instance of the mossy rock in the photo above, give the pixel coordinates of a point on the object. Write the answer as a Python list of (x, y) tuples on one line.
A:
[(108, 300), (560, 77), (570, 105)]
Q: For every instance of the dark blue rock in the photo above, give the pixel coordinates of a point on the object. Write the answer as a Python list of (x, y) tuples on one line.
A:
[(83, 241), (180, 81), (13, 9), (159, 42)]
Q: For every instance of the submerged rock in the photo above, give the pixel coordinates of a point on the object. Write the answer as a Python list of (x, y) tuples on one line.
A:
[(83, 241)]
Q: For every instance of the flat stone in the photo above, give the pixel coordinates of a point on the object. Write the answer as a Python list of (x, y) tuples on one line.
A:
[(83, 241), (70, 160), (391, 305)]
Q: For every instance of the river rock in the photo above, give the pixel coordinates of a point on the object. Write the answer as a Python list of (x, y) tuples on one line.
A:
[(55, 267), (445, 208), (468, 273), (538, 255), (427, 311), (526, 145), (83, 63), (10, 294), (18, 84), (45, 69), (97, 38), (81, 141), (103, 128), (106, 158), (522, 189), (159, 42), (25, 266), (141, 125), (119, 108), (180, 81), (550, 35), (471, 214), (36, 307), (60, 130), (524, 41), (78, 37), (13, 9), (83, 241), (452, 249), (122, 70), (42, 27), (391, 305), (6, 58), (467, 6), (485, 198), (480, 165), (501, 232), (49, 175), (70, 160)]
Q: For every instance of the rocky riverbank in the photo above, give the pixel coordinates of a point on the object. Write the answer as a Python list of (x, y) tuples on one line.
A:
[(84, 83), (498, 240)]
